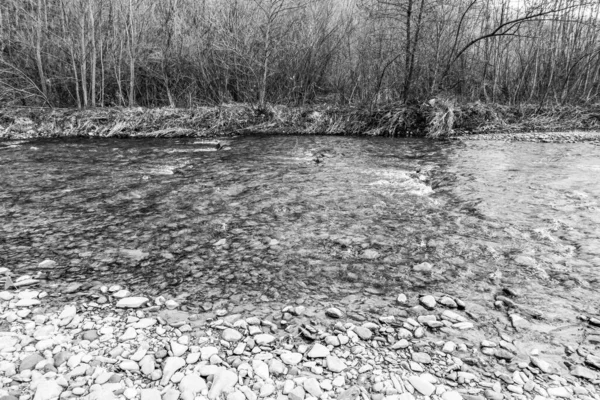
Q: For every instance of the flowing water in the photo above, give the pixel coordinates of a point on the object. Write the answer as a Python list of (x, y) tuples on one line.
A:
[(264, 221)]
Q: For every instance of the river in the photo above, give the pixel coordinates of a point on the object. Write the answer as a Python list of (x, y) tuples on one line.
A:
[(305, 219)]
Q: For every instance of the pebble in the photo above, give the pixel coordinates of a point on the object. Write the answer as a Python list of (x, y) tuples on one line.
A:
[(559, 392), (264, 339), (402, 299), (27, 303), (543, 365), (583, 372), (449, 347), (131, 302), (335, 364), (363, 333), (223, 380), (231, 335), (266, 390), (422, 358), (291, 358), (150, 394), (318, 351), (30, 361), (172, 365), (177, 348), (423, 267), (47, 390), (493, 395), (421, 385), (192, 383), (593, 361), (519, 323), (335, 313), (129, 365), (298, 393), (80, 352), (452, 395), (428, 302), (311, 385), (401, 344)]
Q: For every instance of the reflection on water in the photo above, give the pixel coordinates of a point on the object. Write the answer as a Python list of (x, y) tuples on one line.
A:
[(265, 220)]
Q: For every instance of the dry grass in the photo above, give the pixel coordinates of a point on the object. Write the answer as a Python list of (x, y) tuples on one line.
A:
[(440, 114), (437, 118)]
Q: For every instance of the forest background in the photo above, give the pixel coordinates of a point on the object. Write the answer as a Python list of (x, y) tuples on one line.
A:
[(360, 53)]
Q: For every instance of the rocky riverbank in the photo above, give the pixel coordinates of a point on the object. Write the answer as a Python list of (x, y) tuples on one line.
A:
[(437, 118), (113, 343)]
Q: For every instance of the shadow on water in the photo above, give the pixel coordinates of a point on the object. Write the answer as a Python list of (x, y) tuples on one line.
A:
[(283, 218)]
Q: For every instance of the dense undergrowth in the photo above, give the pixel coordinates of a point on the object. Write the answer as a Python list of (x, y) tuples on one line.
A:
[(438, 118)]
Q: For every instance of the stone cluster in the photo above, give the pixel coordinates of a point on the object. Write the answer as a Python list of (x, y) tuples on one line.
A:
[(133, 347)]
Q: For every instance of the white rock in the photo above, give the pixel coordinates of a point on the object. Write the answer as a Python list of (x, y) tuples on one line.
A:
[(223, 381), (47, 264), (192, 383), (451, 395), (132, 302), (318, 351), (261, 369), (339, 381), (207, 352), (171, 304), (291, 358), (27, 303), (402, 299), (236, 395), (335, 364), (147, 365), (177, 377), (144, 323), (449, 347), (172, 364), (264, 339), (428, 301), (178, 349), (266, 390), (129, 365), (68, 312), (559, 392), (100, 394), (120, 294), (311, 385), (140, 352), (129, 334), (47, 389), (421, 385), (6, 296), (231, 335), (150, 394), (130, 393)]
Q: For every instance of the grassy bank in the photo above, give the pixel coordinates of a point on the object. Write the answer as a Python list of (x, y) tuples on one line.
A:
[(434, 119)]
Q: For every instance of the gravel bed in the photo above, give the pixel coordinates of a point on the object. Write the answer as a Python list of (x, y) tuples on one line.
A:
[(124, 345)]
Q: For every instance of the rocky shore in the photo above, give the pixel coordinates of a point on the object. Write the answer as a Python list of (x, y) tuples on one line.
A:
[(119, 344)]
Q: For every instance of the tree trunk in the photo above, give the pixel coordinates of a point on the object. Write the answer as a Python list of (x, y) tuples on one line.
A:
[(94, 56), (38, 52), (83, 60), (131, 57)]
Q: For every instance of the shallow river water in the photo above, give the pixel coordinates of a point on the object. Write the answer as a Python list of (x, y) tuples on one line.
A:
[(264, 222)]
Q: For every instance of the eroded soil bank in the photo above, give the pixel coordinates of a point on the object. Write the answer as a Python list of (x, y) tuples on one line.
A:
[(435, 119)]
